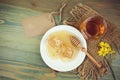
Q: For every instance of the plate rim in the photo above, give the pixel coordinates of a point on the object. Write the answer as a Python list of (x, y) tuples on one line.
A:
[(43, 53)]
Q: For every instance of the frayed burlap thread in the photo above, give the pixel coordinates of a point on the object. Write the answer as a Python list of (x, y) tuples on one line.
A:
[(87, 70)]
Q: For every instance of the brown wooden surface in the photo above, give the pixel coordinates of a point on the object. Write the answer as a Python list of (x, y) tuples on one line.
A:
[(81, 12), (20, 58), (108, 8)]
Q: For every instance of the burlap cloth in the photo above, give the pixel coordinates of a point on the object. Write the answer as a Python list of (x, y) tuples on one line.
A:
[(87, 69)]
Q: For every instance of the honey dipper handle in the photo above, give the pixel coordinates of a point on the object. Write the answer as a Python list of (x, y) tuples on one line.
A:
[(104, 70)]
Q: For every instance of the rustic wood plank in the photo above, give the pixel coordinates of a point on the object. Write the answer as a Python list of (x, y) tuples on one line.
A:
[(108, 8), (81, 12), (20, 58)]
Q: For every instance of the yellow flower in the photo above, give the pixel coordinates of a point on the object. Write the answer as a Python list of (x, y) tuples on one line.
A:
[(105, 49), (101, 44)]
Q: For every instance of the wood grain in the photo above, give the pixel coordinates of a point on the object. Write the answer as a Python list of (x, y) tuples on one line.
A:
[(108, 8), (19, 56), (81, 12)]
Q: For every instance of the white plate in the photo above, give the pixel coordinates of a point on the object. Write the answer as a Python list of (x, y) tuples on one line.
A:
[(57, 64)]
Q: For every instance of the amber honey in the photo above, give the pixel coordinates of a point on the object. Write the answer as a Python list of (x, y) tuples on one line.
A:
[(93, 27), (60, 47)]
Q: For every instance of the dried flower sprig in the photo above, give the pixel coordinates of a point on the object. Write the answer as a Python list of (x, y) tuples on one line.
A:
[(105, 49)]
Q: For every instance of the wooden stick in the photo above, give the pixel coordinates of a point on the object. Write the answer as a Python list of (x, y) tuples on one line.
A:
[(91, 58), (77, 43), (103, 69)]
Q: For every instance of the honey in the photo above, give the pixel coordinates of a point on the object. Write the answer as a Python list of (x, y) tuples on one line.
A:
[(60, 47), (93, 27)]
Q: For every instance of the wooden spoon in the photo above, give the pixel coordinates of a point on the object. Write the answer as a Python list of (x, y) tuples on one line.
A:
[(77, 43)]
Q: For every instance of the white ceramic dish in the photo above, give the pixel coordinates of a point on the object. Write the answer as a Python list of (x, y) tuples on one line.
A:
[(57, 64)]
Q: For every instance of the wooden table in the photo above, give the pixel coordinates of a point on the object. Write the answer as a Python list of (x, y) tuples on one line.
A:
[(20, 56)]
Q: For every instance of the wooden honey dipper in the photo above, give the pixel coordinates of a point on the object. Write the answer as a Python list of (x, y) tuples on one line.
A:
[(76, 43)]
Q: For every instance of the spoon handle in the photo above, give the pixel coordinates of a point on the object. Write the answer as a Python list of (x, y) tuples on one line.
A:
[(103, 69), (77, 43)]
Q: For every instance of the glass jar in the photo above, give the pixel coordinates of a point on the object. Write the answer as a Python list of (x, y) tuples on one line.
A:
[(93, 27)]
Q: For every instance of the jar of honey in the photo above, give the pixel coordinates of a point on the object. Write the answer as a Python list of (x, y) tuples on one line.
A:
[(93, 27)]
